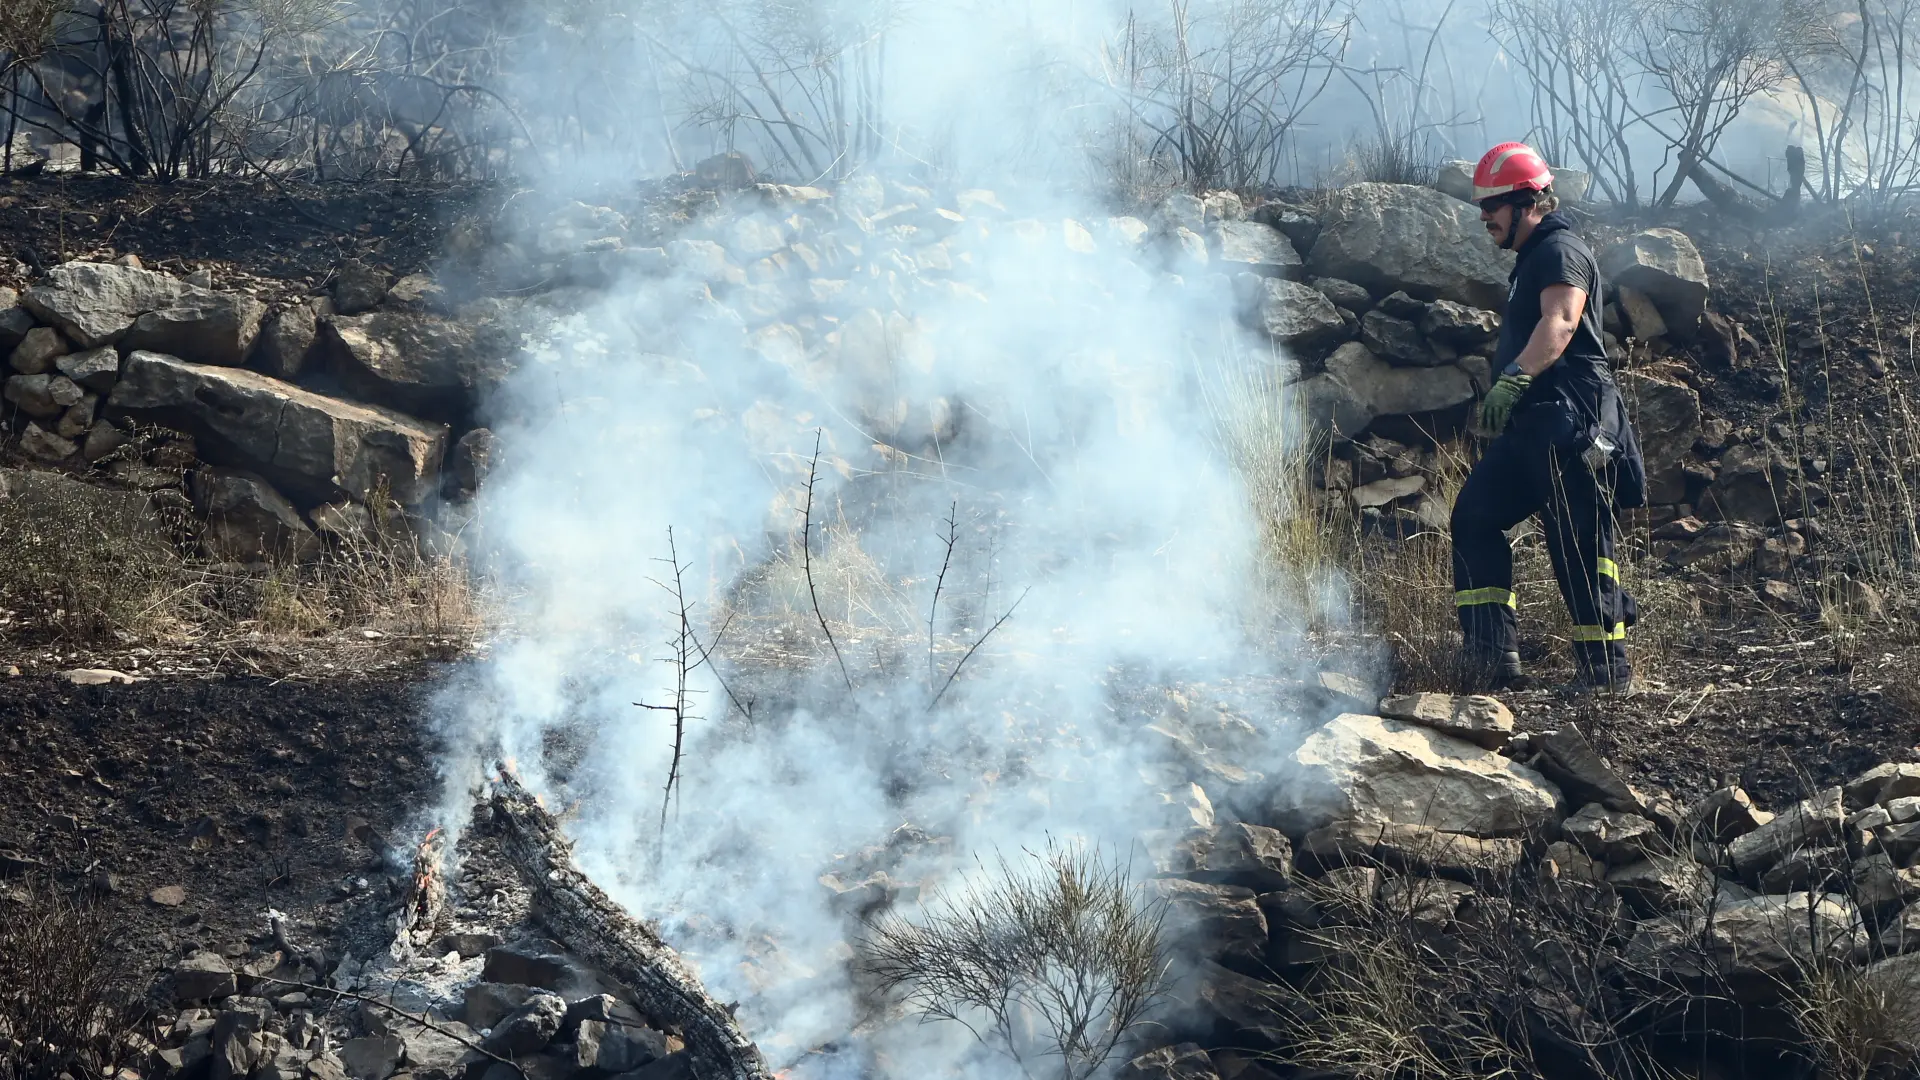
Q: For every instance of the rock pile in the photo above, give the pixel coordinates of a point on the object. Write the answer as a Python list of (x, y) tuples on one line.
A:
[(100, 352), (1435, 811), (534, 1011)]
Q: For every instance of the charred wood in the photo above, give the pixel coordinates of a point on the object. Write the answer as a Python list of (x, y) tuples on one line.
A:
[(583, 918)]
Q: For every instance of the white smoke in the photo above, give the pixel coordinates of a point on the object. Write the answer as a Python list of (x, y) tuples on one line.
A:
[(1046, 382)]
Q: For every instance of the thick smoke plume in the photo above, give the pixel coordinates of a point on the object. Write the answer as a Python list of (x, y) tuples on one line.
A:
[(1018, 408)]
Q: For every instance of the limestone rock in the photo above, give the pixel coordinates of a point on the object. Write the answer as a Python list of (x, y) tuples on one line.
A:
[(1367, 769), (1251, 856), (1664, 883), (1387, 491), (43, 396), (78, 418), (1612, 836), (487, 1002), (1764, 941), (1882, 783), (1564, 862), (1394, 236), (38, 442), (1478, 719), (1723, 546), (1816, 869), (1299, 224), (247, 520), (102, 440), (372, 1057), (1263, 1012), (313, 446), (1754, 485), (471, 459), (1461, 326), (1219, 921), (37, 351), (93, 304), (1402, 306), (1263, 249), (1896, 980), (94, 369), (15, 321), (421, 364), (617, 1047), (358, 287), (1664, 265), (1432, 902), (528, 1028), (1666, 418), (1369, 386), (1343, 294), (1396, 340), (1722, 817), (205, 326), (437, 1055), (1414, 848), (286, 338), (1812, 823), (1297, 315), (204, 976), (1565, 758), (1643, 318), (529, 963), (1456, 179)]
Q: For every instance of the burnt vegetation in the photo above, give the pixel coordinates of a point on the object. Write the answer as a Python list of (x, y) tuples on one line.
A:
[(1790, 648)]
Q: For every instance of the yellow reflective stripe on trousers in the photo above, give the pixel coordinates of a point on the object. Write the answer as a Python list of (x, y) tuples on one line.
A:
[(1600, 633), (1609, 568), (1471, 597)]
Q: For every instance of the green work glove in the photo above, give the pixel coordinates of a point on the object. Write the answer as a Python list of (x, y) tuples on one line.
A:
[(1499, 403)]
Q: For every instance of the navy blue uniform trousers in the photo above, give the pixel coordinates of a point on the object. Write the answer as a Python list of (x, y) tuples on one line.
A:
[(1525, 472)]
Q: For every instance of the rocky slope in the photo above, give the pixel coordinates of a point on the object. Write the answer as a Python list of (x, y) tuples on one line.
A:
[(291, 407)]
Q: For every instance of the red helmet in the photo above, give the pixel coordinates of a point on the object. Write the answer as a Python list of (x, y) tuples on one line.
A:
[(1510, 167)]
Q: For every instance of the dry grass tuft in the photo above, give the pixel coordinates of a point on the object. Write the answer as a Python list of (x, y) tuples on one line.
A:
[(84, 565), (1051, 962), (1859, 1025)]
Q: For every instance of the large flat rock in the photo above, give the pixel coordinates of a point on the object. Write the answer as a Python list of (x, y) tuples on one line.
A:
[(1666, 266), (420, 363), (97, 304), (1391, 237), (314, 447), (1372, 770)]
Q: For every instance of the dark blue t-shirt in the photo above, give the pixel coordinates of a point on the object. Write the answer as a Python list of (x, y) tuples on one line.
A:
[(1555, 255)]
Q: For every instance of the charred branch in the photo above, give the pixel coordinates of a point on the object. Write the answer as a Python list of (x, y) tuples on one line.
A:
[(592, 926)]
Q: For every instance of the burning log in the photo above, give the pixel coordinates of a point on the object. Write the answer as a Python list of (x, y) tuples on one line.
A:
[(425, 914), (595, 928)]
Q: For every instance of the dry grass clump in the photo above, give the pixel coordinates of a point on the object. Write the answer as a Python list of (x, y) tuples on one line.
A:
[(1859, 1025), (78, 563), (81, 564), (1052, 962)]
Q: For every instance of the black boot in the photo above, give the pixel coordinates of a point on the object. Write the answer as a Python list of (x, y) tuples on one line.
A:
[(1484, 671)]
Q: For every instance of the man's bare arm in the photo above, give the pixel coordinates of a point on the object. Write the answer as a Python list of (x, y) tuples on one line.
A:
[(1560, 310)]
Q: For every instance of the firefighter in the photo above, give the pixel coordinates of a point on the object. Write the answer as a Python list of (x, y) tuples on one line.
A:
[(1562, 446)]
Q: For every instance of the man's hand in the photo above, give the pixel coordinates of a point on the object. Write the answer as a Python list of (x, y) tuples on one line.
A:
[(1497, 408)]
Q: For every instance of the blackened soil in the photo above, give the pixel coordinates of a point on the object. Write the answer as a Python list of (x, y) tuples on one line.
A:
[(1780, 724), (279, 234), (246, 793)]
